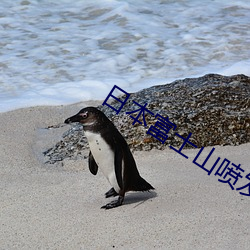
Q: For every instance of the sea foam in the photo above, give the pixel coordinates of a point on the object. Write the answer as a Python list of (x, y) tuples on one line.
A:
[(62, 52)]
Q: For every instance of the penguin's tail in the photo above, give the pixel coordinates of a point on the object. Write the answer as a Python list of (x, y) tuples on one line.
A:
[(141, 185)]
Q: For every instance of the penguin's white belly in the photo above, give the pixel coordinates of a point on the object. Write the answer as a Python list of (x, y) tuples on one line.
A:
[(104, 157)]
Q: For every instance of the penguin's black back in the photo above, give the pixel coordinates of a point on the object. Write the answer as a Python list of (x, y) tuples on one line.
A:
[(132, 180), (95, 121)]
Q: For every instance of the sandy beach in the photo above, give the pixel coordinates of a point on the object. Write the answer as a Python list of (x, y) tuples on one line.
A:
[(46, 206)]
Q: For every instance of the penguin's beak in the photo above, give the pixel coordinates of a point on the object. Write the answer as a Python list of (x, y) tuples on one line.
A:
[(74, 118)]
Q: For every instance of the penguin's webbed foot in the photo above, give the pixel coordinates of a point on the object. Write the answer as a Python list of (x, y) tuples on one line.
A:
[(111, 193), (113, 204)]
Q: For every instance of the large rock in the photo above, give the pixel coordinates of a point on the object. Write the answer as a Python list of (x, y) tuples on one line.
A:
[(214, 108)]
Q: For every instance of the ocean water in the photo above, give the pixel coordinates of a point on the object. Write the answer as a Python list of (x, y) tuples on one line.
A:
[(61, 52)]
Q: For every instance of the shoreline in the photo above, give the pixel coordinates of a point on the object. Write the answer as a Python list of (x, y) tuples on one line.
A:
[(58, 207), (210, 110)]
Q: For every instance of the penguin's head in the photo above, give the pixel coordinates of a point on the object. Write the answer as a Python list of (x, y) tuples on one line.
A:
[(88, 117)]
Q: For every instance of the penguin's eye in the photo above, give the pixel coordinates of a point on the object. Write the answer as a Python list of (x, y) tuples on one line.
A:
[(84, 115)]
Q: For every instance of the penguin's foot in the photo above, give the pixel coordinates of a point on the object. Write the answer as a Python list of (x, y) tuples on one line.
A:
[(111, 193), (113, 204)]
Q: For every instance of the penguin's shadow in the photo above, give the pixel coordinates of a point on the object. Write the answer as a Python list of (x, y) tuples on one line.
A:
[(137, 198)]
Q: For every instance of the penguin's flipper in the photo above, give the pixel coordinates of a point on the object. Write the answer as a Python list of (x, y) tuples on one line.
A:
[(93, 167), (118, 166), (111, 193)]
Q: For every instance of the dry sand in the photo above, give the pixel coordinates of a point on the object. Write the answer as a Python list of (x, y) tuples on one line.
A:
[(58, 207)]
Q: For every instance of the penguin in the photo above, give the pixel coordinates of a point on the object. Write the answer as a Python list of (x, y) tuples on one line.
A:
[(110, 152)]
